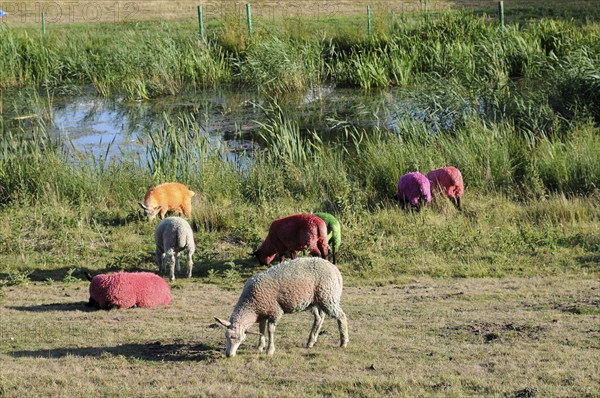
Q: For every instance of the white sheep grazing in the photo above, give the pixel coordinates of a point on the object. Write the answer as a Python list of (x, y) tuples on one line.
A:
[(292, 286), (174, 235)]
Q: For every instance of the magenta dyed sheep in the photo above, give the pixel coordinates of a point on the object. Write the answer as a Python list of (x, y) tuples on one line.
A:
[(449, 181), (129, 289), (413, 190), (292, 234)]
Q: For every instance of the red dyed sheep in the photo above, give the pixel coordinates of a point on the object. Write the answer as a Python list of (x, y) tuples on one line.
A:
[(292, 234), (448, 180), (129, 289), (413, 190)]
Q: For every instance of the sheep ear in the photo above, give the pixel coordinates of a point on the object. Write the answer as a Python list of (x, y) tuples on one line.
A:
[(142, 206), (222, 322), (255, 253)]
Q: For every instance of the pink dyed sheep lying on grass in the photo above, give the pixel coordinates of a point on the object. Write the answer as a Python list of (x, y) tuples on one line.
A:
[(413, 190), (449, 181), (128, 289), (292, 234)]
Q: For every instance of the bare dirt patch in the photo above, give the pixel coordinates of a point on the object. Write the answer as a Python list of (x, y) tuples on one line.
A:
[(425, 337)]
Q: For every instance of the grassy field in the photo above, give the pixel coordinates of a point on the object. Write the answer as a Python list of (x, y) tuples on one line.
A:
[(510, 337), (501, 299)]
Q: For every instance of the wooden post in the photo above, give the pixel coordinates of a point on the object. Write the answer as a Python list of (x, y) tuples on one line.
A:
[(369, 21), (200, 22), (249, 17)]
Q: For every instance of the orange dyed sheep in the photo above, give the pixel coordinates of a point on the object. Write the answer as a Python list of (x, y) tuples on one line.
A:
[(448, 180), (168, 196)]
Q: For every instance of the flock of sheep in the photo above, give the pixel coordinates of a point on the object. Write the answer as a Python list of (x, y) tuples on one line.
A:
[(291, 286)]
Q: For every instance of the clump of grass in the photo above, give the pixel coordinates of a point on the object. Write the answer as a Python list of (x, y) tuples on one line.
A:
[(277, 66), (16, 278), (69, 278)]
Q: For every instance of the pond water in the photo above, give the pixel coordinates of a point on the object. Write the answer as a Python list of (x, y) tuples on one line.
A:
[(230, 118)]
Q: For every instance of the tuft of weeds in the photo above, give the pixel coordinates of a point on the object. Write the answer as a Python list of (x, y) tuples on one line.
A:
[(17, 278), (69, 278)]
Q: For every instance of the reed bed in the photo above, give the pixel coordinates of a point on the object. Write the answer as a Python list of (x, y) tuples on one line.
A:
[(144, 60)]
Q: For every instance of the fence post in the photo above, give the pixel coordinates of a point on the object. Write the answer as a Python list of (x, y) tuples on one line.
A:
[(369, 21), (43, 23), (501, 13), (249, 17), (200, 22)]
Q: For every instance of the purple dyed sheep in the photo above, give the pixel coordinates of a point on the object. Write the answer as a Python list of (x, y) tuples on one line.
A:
[(449, 181), (413, 190), (292, 234), (128, 289)]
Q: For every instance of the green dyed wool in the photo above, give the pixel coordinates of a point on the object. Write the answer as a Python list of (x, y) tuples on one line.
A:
[(334, 231)]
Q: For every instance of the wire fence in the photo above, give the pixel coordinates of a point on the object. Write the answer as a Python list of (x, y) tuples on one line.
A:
[(27, 12)]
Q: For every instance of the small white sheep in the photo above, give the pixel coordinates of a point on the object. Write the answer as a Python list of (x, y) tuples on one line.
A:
[(292, 286), (174, 235)]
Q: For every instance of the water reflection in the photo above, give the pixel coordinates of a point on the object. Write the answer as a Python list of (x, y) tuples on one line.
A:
[(230, 117)]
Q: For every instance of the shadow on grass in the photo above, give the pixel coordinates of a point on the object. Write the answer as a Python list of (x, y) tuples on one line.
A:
[(154, 351), (79, 306), (108, 219), (245, 267), (592, 261), (146, 264)]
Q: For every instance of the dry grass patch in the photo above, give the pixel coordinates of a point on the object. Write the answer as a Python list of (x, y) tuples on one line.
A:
[(465, 337)]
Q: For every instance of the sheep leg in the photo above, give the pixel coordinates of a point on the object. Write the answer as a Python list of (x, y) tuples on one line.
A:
[(163, 264), (404, 203), (271, 346), (158, 257), (186, 208), (316, 327), (170, 260), (343, 327), (163, 212), (457, 203), (177, 263), (190, 263), (262, 328)]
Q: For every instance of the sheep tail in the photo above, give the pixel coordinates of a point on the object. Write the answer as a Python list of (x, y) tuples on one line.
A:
[(322, 246), (322, 240)]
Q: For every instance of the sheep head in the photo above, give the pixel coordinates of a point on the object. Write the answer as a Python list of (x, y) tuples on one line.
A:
[(150, 211), (234, 336), (262, 258)]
